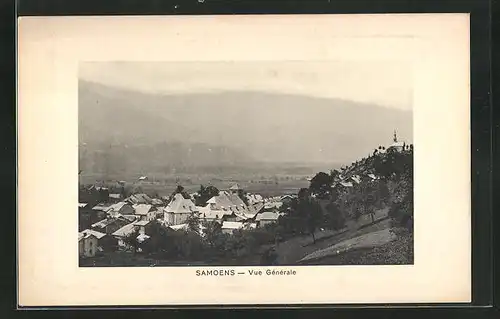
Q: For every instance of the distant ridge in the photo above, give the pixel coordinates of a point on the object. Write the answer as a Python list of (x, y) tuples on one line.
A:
[(141, 131)]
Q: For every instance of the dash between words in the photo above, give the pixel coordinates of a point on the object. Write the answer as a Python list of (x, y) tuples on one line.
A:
[(250, 272)]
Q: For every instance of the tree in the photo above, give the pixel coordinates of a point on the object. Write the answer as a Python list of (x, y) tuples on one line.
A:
[(236, 243), (314, 218), (131, 240), (382, 192), (269, 257), (204, 194), (137, 189), (334, 174), (213, 230), (305, 214), (153, 194), (193, 222), (303, 194), (242, 196), (188, 244), (334, 218), (365, 201), (158, 241), (180, 190), (321, 184)]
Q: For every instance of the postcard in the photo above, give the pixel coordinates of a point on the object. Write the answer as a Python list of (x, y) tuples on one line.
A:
[(242, 160)]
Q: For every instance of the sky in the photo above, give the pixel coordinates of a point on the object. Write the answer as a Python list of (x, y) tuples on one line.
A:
[(385, 83)]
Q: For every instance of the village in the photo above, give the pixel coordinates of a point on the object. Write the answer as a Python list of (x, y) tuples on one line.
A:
[(104, 226), (110, 220)]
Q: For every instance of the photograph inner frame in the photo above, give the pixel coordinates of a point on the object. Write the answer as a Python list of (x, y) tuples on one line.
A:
[(203, 168)]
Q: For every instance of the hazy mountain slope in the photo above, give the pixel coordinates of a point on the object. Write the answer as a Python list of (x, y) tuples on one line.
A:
[(230, 127)]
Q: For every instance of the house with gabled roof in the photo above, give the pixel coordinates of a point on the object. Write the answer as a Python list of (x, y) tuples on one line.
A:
[(141, 198), (207, 214), (178, 210), (120, 208), (145, 211), (87, 245), (124, 231), (230, 207), (105, 242), (266, 218), (142, 227), (109, 224), (287, 199)]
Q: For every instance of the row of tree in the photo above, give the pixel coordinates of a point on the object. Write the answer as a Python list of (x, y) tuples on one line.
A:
[(329, 208), (189, 244)]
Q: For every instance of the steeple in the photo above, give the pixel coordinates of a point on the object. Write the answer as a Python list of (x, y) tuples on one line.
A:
[(395, 137)]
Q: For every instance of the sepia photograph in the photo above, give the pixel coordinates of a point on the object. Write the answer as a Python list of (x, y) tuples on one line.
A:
[(245, 163)]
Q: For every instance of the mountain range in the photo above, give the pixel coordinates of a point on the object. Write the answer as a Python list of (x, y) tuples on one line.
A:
[(123, 130)]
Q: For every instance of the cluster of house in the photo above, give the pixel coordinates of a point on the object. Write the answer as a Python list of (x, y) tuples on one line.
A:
[(105, 226), (350, 181)]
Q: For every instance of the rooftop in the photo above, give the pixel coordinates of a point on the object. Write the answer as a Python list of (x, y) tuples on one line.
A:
[(142, 209), (125, 230), (237, 225), (267, 216), (139, 199), (88, 232), (142, 223), (346, 184), (180, 205)]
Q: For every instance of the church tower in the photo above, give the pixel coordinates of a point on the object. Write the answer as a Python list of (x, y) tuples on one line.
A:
[(395, 139)]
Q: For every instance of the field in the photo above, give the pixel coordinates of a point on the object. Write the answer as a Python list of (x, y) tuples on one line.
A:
[(266, 186)]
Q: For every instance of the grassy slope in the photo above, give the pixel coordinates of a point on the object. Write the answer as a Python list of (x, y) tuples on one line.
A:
[(370, 240), (291, 251), (397, 252)]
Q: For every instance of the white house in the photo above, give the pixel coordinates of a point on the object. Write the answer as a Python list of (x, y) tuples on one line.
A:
[(145, 211), (178, 210), (87, 244), (266, 218), (209, 215), (230, 227)]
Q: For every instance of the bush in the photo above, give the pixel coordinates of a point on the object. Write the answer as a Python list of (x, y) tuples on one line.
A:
[(401, 213), (188, 244)]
